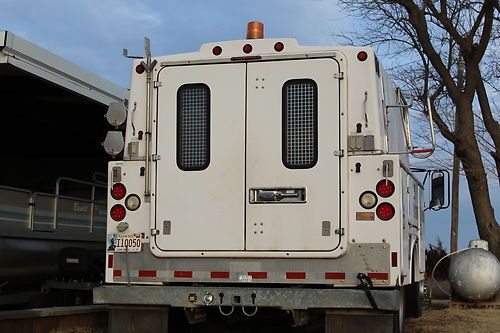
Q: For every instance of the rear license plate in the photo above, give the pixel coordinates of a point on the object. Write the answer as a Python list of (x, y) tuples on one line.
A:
[(124, 243)]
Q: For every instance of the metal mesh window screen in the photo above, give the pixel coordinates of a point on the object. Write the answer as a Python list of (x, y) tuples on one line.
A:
[(193, 131), (300, 122)]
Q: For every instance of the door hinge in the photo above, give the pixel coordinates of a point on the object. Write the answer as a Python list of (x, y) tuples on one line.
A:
[(155, 157), (340, 232), (338, 76), (155, 232), (339, 153), (157, 84)]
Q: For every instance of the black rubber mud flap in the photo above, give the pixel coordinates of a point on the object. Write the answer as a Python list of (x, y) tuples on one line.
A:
[(414, 299)]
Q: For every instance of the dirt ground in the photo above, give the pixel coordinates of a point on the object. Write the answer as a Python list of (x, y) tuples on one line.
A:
[(439, 318)]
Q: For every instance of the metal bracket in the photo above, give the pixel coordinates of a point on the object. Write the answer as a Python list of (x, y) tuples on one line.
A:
[(338, 76), (155, 157), (299, 317), (155, 232), (157, 84), (340, 231), (339, 153)]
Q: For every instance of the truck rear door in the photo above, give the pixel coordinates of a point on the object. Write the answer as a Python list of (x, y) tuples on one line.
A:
[(248, 157), (292, 172), (200, 194)]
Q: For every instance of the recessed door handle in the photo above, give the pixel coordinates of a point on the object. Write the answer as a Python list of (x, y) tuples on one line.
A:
[(277, 195)]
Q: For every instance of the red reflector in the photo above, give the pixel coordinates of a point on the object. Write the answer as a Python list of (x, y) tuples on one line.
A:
[(118, 191), (217, 50), (147, 273), (394, 259), (118, 212), (219, 275), (296, 275), (335, 276), (110, 261), (378, 276), (183, 274), (258, 275), (279, 46), (139, 69), (247, 48), (362, 56), (117, 272), (419, 151), (385, 211), (385, 188)]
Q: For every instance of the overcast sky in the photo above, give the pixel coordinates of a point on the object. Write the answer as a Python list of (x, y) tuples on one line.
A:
[(93, 33)]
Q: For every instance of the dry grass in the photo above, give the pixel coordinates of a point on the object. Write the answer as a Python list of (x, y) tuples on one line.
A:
[(441, 319)]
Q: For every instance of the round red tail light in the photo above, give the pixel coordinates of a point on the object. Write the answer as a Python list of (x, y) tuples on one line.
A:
[(279, 46), (247, 48), (385, 188), (362, 56), (217, 50), (385, 211), (118, 191), (118, 212), (139, 69)]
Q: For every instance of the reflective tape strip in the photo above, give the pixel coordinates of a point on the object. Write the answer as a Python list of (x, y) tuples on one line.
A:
[(394, 259), (183, 274), (335, 276), (110, 261), (144, 273), (219, 275), (378, 276), (258, 275), (296, 275)]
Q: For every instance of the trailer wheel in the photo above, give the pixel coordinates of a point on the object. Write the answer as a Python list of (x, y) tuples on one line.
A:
[(414, 295), (399, 316)]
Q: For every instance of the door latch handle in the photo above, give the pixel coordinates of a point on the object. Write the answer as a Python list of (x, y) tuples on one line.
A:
[(277, 195), (280, 196)]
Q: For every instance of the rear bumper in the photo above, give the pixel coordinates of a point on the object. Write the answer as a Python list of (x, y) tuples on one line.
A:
[(284, 298)]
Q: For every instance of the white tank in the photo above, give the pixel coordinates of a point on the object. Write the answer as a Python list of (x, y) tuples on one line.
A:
[(475, 274)]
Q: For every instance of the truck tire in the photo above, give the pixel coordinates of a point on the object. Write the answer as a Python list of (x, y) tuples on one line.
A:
[(399, 316), (414, 294)]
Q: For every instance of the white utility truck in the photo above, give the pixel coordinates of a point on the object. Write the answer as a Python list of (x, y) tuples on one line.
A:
[(261, 173)]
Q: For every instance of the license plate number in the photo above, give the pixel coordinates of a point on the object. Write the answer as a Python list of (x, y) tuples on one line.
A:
[(124, 243)]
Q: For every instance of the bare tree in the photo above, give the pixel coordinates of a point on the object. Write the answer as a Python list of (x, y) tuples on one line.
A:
[(426, 40)]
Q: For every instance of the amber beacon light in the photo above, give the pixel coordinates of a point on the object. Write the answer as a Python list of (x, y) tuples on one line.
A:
[(255, 30)]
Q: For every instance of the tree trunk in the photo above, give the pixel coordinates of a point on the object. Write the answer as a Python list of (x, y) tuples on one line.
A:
[(468, 151)]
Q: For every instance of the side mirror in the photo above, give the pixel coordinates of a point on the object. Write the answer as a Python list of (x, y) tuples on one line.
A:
[(438, 191)]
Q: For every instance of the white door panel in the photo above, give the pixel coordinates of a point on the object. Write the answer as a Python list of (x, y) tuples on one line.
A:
[(288, 224), (202, 209)]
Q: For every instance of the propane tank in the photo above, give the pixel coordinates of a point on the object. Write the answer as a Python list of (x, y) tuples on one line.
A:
[(475, 273)]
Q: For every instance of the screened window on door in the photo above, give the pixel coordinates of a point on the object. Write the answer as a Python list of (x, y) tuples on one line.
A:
[(193, 127), (300, 124)]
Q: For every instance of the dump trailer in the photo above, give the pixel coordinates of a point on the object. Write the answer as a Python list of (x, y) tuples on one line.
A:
[(53, 170), (260, 173)]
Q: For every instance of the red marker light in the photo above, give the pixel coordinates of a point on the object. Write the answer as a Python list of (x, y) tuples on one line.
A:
[(385, 188), (118, 191), (279, 46), (217, 50), (362, 56), (139, 69), (247, 48), (118, 212), (385, 211)]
